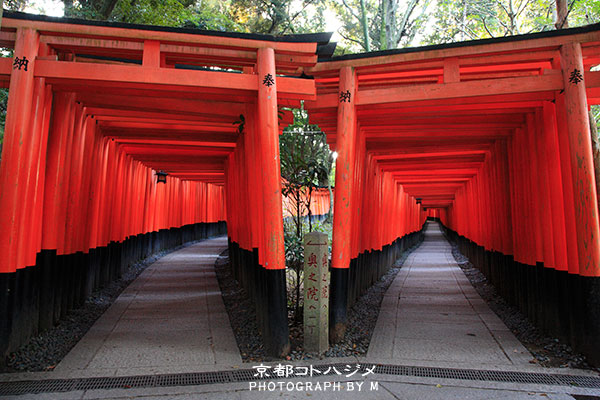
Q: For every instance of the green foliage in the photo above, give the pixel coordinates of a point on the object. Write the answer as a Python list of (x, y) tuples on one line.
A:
[(471, 19), (390, 23), (207, 14), (584, 12), (305, 155), (258, 16), (305, 164), (15, 5), (595, 110), (294, 248), (241, 123), (279, 16)]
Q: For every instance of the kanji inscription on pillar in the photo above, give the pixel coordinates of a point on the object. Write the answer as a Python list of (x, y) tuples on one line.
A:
[(316, 293), (20, 63)]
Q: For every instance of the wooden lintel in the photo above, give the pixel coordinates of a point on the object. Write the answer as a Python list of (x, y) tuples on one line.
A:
[(486, 87), (83, 42), (166, 77), (451, 70)]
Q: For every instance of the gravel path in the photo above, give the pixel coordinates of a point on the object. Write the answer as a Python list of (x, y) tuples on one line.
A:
[(362, 318), (548, 351)]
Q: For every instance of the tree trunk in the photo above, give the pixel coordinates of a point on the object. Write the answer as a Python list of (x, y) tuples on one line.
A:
[(298, 216), (391, 35), (330, 212), (401, 29), (107, 8), (561, 14), (382, 29), (363, 16), (309, 210), (297, 310), (68, 7), (463, 22)]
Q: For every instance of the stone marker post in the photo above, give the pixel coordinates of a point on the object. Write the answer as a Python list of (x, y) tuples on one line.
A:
[(316, 293)]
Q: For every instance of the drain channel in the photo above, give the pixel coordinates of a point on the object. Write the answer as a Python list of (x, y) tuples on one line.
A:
[(246, 375)]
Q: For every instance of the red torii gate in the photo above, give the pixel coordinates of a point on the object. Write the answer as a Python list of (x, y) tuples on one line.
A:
[(493, 137), (95, 110)]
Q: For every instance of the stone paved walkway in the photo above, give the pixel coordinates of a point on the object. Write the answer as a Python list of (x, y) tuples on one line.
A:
[(432, 315), (170, 319)]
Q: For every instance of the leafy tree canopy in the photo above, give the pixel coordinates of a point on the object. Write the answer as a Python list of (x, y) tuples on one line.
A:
[(478, 19)]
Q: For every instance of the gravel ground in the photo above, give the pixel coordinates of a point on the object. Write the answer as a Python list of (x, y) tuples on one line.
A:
[(241, 311), (45, 351), (362, 318), (547, 351)]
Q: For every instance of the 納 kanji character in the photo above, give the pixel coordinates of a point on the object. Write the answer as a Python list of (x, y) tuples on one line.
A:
[(345, 97), (20, 62)]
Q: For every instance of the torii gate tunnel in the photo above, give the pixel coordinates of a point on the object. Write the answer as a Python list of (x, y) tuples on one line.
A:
[(491, 137)]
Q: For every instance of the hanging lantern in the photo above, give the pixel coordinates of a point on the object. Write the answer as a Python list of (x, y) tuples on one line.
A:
[(161, 177)]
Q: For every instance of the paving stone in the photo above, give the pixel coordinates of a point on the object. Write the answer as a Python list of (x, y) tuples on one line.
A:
[(173, 317), (439, 316)]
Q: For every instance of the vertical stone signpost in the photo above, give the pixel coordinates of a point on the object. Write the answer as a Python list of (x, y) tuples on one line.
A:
[(316, 293)]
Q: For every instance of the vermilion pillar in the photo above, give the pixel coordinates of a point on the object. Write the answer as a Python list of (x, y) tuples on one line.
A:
[(18, 140), (342, 210), (17, 188), (582, 165), (276, 333), (585, 323)]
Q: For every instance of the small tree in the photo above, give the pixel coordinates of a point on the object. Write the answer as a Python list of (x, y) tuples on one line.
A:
[(305, 165)]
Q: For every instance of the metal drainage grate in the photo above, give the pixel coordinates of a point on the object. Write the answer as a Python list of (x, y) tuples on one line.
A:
[(246, 375), (579, 381)]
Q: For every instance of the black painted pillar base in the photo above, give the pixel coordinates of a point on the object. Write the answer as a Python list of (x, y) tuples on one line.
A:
[(6, 309), (46, 260), (338, 305), (268, 291), (277, 334), (587, 338), (563, 305)]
